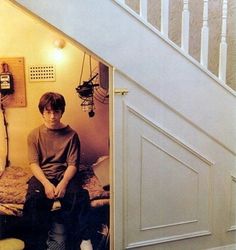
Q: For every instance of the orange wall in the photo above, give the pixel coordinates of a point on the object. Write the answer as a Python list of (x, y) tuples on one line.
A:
[(24, 36)]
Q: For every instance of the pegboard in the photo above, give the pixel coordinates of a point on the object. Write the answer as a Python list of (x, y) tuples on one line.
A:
[(17, 69)]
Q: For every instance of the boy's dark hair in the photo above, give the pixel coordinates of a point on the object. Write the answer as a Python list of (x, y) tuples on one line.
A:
[(52, 100)]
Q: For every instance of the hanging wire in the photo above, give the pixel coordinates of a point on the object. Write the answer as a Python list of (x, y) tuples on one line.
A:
[(90, 66), (82, 69), (2, 100)]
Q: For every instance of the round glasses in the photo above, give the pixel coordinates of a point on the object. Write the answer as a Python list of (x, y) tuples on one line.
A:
[(52, 112)]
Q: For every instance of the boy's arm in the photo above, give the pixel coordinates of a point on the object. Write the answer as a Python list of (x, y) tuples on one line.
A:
[(73, 156), (48, 186), (68, 175)]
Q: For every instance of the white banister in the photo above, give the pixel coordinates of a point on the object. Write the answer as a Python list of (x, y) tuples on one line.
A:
[(204, 36), (223, 43), (165, 17), (185, 27), (143, 9), (205, 47)]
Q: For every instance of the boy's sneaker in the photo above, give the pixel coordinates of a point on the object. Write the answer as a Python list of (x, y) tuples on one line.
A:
[(86, 245)]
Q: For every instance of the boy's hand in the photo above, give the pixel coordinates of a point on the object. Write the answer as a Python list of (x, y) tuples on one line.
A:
[(49, 190), (60, 189)]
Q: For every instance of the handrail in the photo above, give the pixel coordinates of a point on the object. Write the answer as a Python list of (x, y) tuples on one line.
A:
[(204, 45)]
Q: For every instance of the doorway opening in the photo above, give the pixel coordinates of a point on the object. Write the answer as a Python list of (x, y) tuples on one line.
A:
[(88, 116)]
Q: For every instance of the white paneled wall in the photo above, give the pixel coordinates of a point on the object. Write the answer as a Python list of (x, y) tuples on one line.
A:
[(177, 182)]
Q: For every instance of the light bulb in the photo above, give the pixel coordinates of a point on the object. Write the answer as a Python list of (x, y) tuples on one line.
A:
[(59, 43)]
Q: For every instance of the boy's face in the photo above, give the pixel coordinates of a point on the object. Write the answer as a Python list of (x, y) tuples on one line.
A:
[(52, 118)]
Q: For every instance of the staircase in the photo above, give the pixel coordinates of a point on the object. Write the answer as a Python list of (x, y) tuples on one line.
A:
[(205, 30), (148, 61), (200, 104)]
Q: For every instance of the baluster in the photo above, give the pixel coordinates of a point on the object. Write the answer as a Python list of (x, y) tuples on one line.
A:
[(204, 36), (223, 43), (143, 9), (185, 27), (165, 17)]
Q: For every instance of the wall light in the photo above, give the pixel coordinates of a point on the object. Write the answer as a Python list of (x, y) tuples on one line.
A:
[(59, 43)]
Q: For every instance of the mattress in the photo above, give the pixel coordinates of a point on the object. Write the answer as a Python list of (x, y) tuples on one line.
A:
[(13, 188)]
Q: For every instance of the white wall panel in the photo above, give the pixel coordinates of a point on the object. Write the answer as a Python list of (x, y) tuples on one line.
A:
[(168, 187), (175, 180)]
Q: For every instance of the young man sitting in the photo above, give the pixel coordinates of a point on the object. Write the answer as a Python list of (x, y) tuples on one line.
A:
[(54, 154)]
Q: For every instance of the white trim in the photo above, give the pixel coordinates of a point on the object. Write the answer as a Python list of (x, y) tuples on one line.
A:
[(185, 118), (169, 135), (227, 247), (168, 239), (231, 226)]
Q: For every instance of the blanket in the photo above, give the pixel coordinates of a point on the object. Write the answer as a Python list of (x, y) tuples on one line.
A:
[(13, 188)]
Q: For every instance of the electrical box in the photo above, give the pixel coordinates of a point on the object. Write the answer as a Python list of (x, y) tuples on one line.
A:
[(17, 96)]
